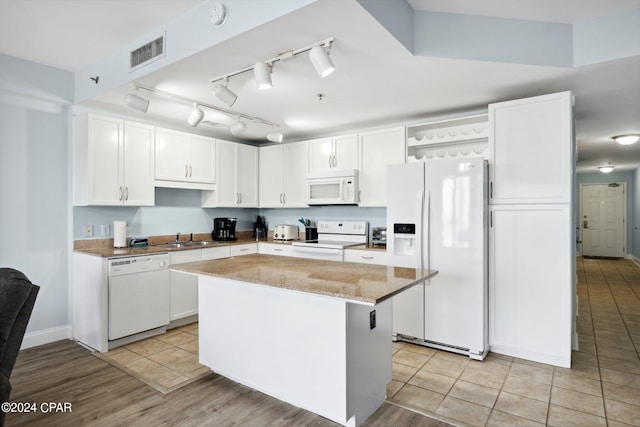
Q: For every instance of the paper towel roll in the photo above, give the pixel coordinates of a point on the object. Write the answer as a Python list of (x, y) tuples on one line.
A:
[(119, 234)]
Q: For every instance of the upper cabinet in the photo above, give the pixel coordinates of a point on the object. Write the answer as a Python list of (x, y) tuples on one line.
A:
[(530, 150), (184, 160), (113, 162), (334, 153), (236, 177), (378, 149), (283, 170)]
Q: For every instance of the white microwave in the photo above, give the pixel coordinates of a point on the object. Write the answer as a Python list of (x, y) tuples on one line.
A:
[(332, 188)]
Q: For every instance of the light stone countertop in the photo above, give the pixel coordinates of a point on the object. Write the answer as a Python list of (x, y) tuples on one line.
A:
[(360, 283)]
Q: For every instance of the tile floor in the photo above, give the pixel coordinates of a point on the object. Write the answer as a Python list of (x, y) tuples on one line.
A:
[(601, 388), (166, 361)]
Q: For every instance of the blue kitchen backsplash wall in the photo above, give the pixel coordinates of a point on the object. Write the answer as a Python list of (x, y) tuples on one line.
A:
[(179, 211)]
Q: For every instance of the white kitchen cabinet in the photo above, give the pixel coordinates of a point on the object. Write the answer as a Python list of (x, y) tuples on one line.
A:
[(531, 150), (532, 238), (274, 249), (283, 170), (113, 162), (333, 153), (530, 277), (365, 257), (236, 176), (244, 249), (184, 287), (215, 252), (184, 160), (378, 149)]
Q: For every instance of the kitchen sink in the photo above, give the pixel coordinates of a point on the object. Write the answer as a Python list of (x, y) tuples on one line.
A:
[(203, 243), (172, 245)]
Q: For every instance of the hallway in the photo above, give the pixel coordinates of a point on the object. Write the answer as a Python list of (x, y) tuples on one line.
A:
[(602, 388)]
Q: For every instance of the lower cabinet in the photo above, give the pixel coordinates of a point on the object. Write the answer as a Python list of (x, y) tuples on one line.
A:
[(184, 287), (274, 249), (365, 257), (531, 272), (245, 249)]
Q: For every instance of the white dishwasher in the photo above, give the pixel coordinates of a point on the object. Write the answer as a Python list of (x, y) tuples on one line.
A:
[(139, 294)]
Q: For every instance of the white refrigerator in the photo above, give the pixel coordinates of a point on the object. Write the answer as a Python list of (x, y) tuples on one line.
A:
[(437, 219)]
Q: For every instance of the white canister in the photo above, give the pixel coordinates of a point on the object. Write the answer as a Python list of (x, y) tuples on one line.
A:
[(119, 234)]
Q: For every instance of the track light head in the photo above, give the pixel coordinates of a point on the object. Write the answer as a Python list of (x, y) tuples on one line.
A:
[(224, 94), (262, 74), (237, 128), (275, 136), (321, 62), (196, 116), (136, 102)]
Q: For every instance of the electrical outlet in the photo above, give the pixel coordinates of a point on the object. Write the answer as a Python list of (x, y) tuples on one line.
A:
[(104, 229), (87, 231), (372, 319)]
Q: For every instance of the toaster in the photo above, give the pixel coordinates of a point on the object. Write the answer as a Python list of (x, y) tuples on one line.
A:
[(379, 235), (286, 232)]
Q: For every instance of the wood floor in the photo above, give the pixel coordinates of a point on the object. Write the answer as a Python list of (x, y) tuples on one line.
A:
[(102, 395)]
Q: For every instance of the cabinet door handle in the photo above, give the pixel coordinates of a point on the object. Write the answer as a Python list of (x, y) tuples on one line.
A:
[(284, 198), (330, 157), (244, 249), (335, 161), (491, 219), (186, 171), (126, 193), (277, 250), (366, 257), (190, 171), (120, 193), (491, 190), (359, 196)]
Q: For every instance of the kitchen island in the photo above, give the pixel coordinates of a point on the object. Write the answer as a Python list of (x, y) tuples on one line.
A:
[(316, 334)]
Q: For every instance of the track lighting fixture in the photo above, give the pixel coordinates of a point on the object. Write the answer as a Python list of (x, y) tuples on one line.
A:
[(224, 94), (321, 62), (136, 102), (318, 54), (274, 136), (627, 139), (237, 128), (262, 74), (196, 116)]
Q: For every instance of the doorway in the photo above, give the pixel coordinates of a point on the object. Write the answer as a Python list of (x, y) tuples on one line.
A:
[(603, 219)]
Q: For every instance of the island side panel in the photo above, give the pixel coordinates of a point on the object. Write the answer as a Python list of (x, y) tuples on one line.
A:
[(287, 344), (369, 352)]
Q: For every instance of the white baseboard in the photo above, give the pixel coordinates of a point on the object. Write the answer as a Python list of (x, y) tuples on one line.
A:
[(46, 336), (633, 258)]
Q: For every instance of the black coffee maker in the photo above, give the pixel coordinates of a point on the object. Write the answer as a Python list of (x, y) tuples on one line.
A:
[(260, 228), (224, 229)]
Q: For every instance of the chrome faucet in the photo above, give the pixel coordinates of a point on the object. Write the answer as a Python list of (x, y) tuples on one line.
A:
[(177, 237)]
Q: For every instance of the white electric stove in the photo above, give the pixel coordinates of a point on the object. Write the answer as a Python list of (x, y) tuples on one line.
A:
[(333, 238)]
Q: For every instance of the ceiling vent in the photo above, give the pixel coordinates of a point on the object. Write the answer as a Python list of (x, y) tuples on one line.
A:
[(147, 54)]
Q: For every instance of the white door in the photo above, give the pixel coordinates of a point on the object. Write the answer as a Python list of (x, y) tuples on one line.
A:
[(227, 173), (201, 159), (603, 220), (297, 166), (248, 175), (138, 164), (271, 176)]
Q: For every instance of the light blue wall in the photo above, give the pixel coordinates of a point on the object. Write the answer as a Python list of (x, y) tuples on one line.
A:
[(34, 182), (635, 220), (179, 211), (630, 178), (483, 38)]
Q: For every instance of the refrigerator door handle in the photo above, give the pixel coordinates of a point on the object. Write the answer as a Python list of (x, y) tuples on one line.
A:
[(426, 223)]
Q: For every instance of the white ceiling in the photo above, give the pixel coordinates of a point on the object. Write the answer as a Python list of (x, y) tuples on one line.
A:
[(377, 81)]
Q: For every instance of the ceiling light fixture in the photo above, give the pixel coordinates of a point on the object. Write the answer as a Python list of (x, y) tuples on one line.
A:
[(274, 136), (196, 116), (627, 139), (136, 102), (223, 93), (262, 70), (225, 113), (237, 127), (262, 74), (606, 169), (319, 57)]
